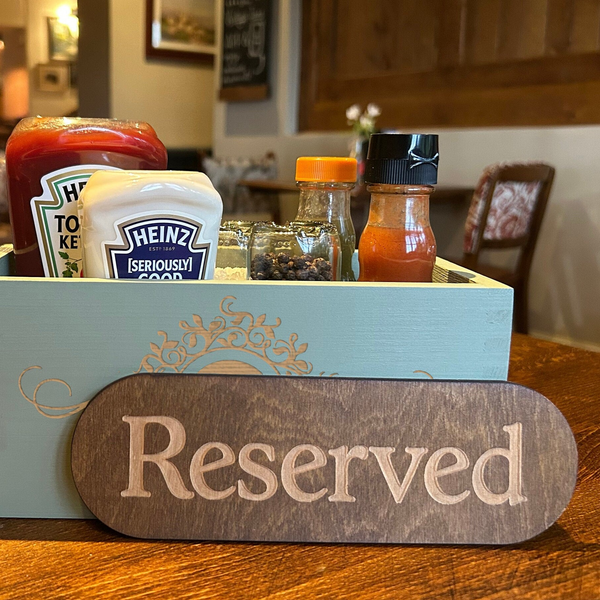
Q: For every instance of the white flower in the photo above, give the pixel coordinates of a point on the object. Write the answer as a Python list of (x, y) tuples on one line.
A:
[(373, 110), (353, 113), (366, 122)]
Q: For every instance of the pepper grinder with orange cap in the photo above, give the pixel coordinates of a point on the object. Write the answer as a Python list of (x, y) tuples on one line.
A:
[(325, 183)]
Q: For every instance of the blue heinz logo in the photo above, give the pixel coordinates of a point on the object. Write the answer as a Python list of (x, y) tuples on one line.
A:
[(159, 248)]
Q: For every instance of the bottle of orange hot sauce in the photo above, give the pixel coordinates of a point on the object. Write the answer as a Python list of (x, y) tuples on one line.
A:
[(48, 162), (398, 243)]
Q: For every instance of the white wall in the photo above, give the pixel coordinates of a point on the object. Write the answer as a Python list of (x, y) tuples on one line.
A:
[(565, 282), (12, 13), (45, 104), (176, 99)]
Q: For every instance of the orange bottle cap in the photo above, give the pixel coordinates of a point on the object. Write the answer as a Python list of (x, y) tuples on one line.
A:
[(326, 169)]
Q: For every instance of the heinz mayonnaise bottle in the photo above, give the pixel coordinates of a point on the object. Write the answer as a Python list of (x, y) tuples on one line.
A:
[(149, 225)]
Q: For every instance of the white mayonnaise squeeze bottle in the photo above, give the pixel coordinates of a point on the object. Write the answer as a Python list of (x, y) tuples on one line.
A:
[(149, 225)]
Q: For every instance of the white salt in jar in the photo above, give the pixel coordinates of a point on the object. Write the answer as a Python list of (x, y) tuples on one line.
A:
[(149, 225)]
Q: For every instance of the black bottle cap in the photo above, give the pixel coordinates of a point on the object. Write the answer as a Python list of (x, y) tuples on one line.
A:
[(402, 159)]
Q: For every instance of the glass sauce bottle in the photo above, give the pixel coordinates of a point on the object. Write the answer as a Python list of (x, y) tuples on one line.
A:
[(325, 183), (398, 243)]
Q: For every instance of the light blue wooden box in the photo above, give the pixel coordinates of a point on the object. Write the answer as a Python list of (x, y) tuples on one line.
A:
[(63, 340)]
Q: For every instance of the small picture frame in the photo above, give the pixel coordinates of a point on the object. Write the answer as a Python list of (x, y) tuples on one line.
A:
[(63, 38), (53, 77), (181, 30)]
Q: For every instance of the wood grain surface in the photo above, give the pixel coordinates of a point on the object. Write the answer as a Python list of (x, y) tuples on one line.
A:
[(453, 64), (320, 459), (83, 559)]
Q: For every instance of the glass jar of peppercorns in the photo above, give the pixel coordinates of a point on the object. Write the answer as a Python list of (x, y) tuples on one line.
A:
[(298, 251), (232, 252)]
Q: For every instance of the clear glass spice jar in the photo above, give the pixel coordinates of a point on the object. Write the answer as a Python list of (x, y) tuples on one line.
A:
[(325, 183), (297, 251), (232, 252)]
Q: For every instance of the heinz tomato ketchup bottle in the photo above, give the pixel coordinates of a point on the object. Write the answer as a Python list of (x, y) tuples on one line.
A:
[(48, 162)]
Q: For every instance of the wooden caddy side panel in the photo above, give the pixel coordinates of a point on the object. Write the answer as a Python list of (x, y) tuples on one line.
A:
[(65, 339)]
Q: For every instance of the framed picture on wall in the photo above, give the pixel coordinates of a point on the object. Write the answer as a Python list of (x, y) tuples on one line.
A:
[(182, 30), (63, 36), (53, 77)]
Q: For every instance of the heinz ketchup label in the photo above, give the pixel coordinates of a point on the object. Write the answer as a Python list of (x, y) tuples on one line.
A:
[(57, 222)]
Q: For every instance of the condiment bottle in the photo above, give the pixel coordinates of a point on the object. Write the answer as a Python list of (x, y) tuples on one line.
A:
[(150, 225), (398, 243), (325, 183), (48, 162), (297, 251)]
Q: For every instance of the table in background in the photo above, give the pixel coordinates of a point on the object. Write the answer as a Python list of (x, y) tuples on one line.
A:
[(83, 559), (359, 202)]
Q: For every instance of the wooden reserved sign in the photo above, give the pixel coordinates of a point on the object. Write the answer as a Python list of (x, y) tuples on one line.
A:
[(211, 457)]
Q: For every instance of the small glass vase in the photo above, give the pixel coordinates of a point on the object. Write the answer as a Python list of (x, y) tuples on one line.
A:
[(359, 144)]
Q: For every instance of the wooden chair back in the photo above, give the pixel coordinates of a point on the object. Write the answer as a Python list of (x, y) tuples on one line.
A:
[(514, 173)]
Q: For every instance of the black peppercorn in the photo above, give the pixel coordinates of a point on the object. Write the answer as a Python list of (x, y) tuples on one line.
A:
[(274, 267)]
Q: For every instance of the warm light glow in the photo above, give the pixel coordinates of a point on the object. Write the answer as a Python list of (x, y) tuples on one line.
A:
[(1, 45), (72, 23), (15, 101), (63, 11), (66, 17)]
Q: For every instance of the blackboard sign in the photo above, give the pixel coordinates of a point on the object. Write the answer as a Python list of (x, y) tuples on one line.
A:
[(244, 66)]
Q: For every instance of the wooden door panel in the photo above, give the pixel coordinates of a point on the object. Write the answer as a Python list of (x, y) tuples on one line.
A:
[(451, 62), (521, 31), (585, 33), (482, 31)]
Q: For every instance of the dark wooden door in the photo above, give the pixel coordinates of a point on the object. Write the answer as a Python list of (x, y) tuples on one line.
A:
[(451, 62)]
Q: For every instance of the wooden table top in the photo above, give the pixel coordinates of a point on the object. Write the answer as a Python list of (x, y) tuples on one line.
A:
[(269, 185), (83, 559), (441, 193)]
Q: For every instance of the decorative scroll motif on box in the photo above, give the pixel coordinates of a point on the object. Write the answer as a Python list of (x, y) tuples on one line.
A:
[(237, 331), (52, 412)]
